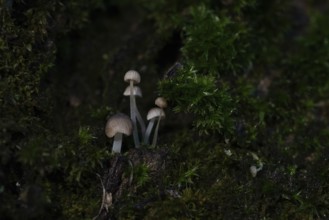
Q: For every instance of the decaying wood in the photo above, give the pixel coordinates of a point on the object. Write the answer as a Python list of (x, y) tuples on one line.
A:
[(115, 181)]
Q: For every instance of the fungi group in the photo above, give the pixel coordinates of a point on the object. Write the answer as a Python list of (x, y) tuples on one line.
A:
[(120, 124)]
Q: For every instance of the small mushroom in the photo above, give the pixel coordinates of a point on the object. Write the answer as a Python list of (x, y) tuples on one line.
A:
[(133, 77), (161, 102), (228, 152), (117, 125), (152, 116), (253, 170), (136, 92)]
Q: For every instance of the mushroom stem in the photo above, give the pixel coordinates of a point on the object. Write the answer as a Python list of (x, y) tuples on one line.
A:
[(149, 130), (133, 115), (140, 121), (117, 143), (155, 136)]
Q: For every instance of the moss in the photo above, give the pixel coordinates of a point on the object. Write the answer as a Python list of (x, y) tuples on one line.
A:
[(192, 93), (216, 44)]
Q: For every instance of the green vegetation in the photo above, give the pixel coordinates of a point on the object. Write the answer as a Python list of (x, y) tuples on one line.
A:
[(253, 88)]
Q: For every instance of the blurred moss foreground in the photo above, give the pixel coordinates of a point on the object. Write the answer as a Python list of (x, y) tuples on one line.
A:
[(251, 95)]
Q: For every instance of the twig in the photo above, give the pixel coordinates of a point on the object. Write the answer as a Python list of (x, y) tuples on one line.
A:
[(103, 197)]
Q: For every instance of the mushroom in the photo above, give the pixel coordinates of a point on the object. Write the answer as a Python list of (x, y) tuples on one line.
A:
[(161, 102), (254, 170), (117, 125), (136, 92), (133, 77), (152, 116)]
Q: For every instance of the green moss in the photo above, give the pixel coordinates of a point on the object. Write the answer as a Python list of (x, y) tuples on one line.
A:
[(199, 95), (216, 44)]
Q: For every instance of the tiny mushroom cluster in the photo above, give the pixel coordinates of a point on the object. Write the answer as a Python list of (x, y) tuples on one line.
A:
[(120, 124)]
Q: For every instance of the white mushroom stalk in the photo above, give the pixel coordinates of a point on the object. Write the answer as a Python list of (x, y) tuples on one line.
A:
[(155, 136), (149, 130), (136, 92), (153, 115), (117, 143), (133, 77), (117, 125)]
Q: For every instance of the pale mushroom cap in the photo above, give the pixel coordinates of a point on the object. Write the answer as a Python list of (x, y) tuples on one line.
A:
[(253, 171), (155, 112), (161, 102), (118, 123), (136, 91), (132, 75)]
